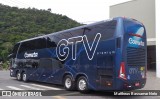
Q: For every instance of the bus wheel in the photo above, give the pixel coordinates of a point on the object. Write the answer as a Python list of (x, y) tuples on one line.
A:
[(82, 84), (24, 77), (69, 83), (19, 76)]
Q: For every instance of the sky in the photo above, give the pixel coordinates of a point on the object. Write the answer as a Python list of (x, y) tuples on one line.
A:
[(83, 11)]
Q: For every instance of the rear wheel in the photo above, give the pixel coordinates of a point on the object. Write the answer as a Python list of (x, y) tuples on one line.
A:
[(82, 84), (69, 83), (24, 77), (19, 76)]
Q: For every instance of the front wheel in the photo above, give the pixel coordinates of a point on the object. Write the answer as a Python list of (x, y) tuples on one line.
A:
[(82, 84), (69, 83)]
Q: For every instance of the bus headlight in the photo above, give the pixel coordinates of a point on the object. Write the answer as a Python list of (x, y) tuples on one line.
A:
[(11, 70)]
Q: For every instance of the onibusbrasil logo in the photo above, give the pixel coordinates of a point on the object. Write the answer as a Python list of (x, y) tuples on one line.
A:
[(63, 48)]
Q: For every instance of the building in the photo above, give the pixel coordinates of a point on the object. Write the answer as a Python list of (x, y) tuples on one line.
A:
[(145, 11)]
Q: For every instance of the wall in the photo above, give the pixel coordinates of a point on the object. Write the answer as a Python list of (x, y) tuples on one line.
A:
[(141, 10), (158, 39)]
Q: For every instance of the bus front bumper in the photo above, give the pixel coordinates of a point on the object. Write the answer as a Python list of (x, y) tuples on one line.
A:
[(134, 85)]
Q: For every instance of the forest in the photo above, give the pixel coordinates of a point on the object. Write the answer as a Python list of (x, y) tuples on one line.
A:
[(17, 24)]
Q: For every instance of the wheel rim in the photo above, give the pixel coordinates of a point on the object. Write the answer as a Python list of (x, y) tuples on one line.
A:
[(18, 76), (82, 84), (24, 77), (68, 83)]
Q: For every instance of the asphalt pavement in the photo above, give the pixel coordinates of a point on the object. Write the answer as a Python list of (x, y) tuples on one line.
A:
[(9, 83)]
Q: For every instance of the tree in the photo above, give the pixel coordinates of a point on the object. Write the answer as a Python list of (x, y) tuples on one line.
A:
[(4, 54), (18, 24), (7, 46), (49, 9)]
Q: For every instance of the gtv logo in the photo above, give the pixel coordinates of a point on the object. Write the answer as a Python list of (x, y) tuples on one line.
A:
[(63, 50)]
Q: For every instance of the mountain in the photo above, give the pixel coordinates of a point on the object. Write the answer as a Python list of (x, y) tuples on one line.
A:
[(17, 24)]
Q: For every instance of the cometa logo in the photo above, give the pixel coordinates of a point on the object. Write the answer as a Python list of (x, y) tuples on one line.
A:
[(27, 55), (135, 42)]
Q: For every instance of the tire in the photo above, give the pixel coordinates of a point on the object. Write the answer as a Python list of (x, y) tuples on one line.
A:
[(69, 84), (24, 77), (19, 76), (82, 85)]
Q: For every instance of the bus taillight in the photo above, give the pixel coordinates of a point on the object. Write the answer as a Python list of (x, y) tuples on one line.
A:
[(122, 72)]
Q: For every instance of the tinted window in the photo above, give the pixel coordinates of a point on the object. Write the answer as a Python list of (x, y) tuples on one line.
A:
[(39, 43), (51, 43), (52, 40), (106, 29), (15, 49), (132, 27)]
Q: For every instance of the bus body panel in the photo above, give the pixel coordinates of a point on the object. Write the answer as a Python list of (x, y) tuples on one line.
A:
[(108, 69), (134, 55)]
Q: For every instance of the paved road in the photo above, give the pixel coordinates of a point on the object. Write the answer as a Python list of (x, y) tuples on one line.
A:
[(153, 83), (8, 83)]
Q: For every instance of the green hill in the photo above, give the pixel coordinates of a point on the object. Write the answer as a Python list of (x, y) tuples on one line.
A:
[(18, 24)]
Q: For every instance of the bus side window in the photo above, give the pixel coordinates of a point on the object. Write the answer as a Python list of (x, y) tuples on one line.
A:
[(50, 43), (106, 30), (39, 43), (15, 49)]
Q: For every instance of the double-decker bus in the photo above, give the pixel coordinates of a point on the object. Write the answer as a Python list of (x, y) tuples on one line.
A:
[(107, 55)]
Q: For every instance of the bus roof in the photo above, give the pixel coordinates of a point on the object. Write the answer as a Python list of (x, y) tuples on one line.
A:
[(68, 30), (72, 29)]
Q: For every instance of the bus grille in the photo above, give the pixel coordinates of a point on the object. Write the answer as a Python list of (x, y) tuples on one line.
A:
[(135, 56)]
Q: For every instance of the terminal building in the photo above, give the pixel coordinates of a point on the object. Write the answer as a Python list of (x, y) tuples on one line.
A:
[(145, 11)]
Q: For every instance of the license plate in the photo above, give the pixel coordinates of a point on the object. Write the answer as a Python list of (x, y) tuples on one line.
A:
[(137, 84)]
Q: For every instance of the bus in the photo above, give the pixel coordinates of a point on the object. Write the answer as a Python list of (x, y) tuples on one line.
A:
[(106, 55)]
